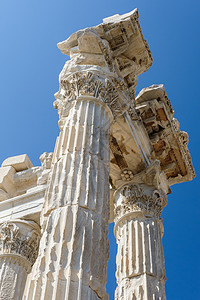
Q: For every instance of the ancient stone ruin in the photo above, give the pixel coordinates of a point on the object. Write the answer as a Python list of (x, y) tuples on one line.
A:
[(114, 161)]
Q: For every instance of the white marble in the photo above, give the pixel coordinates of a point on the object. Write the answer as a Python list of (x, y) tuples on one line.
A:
[(138, 230), (110, 143), (19, 242), (74, 247)]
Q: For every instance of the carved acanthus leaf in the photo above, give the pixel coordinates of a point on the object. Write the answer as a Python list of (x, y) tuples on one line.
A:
[(13, 242), (112, 92), (135, 198)]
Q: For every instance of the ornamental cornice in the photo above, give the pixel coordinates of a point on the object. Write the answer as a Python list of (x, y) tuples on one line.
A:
[(183, 140), (169, 144), (122, 33), (111, 91), (21, 239)]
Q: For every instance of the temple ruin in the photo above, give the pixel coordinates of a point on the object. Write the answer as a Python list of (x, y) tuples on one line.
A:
[(114, 161)]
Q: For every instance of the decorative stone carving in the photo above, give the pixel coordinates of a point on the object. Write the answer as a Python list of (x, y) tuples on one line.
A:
[(147, 153), (46, 160), (90, 84), (169, 143), (138, 230), (127, 175), (151, 176), (13, 241), (138, 198), (124, 36), (19, 242), (76, 209)]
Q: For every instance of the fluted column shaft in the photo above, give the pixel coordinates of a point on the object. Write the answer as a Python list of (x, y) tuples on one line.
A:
[(19, 242), (13, 274), (138, 230), (74, 248)]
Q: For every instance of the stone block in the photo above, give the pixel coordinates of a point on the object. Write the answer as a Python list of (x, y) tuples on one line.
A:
[(6, 179), (19, 162)]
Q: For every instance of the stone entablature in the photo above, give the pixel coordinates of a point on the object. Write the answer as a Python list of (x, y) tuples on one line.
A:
[(27, 206), (120, 40), (106, 136), (170, 145), (19, 177)]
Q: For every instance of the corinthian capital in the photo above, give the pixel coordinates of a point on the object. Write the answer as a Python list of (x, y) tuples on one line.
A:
[(93, 85), (20, 239), (139, 200), (105, 62)]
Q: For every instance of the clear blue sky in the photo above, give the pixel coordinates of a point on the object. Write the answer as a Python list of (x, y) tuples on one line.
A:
[(29, 67)]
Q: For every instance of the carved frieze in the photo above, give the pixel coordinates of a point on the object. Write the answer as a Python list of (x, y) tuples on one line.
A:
[(124, 36), (17, 240), (169, 144)]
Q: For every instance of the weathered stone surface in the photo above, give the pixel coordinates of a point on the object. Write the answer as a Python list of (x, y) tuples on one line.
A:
[(46, 160), (96, 86), (138, 230), (26, 206), (19, 241), (106, 137), (19, 162), (6, 181), (21, 198), (14, 182), (76, 209), (170, 145)]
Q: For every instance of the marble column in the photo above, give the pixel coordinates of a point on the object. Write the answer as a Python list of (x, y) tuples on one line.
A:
[(19, 241), (138, 230), (74, 248)]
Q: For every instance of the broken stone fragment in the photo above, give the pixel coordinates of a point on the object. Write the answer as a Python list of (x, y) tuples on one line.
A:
[(6, 181), (19, 162)]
